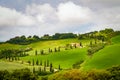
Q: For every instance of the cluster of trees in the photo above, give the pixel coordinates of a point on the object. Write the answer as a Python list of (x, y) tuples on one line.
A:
[(77, 64), (22, 74), (45, 66), (12, 54), (23, 40), (58, 49), (112, 73), (95, 47), (100, 35)]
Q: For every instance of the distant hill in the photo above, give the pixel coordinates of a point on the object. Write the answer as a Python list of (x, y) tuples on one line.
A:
[(107, 57)]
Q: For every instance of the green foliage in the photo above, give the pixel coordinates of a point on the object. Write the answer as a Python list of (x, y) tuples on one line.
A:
[(77, 64), (22, 74), (115, 72), (94, 48), (112, 73), (64, 35), (7, 53)]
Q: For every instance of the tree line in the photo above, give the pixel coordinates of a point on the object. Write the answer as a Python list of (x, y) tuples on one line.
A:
[(12, 54), (100, 35)]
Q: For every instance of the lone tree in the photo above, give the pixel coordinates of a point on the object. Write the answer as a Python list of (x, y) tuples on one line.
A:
[(37, 62), (51, 67), (49, 50), (40, 70), (41, 62), (42, 52), (12, 58), (81, 44), (33, 69), (35, 52), (44, 63), (47, 63), (44, 68), (71, 47), (33, 62), (59, 67), (55, 50), (75, 45)]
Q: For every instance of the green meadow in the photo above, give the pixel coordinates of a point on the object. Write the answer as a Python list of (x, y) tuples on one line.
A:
[(107, 57)]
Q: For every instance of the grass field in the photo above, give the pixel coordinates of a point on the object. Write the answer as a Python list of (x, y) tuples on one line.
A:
[(64, 58), (4, 65), (104, 58), (107, 57)]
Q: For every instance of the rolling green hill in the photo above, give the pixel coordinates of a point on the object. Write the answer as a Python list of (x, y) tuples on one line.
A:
[(65, 58), (107, 57), (104, 58)]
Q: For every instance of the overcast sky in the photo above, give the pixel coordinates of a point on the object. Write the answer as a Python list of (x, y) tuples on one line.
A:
[(38, 17)]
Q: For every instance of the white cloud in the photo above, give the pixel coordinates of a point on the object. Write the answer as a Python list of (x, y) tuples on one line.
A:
[(10, 17), (65, 17), (42, 13), (72, 13)]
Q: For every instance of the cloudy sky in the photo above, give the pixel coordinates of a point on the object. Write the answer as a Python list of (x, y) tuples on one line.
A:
[(38, 17)]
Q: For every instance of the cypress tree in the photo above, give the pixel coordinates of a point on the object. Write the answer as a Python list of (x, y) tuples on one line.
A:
[(41, 62), (75, 46), (42, 52), (15, 58), (59, 67), (37, 62), (9, 58), (33, 69), (12, 58), (44, 69), (70, 46), (47, 63), (49, 50), (40, 70), (55, 49), (35, 52), (81, 44), (51, 67), (33, 62)]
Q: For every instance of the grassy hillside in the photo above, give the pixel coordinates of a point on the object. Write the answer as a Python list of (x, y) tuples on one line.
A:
[(10, 65), (106, 57), (44, 44), (64, 58)]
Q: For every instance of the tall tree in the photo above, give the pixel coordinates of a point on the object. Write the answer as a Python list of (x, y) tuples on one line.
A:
[(51, 67), (33, 63), (35, 52), (37, 62)]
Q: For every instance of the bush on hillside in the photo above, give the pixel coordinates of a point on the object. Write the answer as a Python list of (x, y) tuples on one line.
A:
[(94, 48), (22, 74)]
